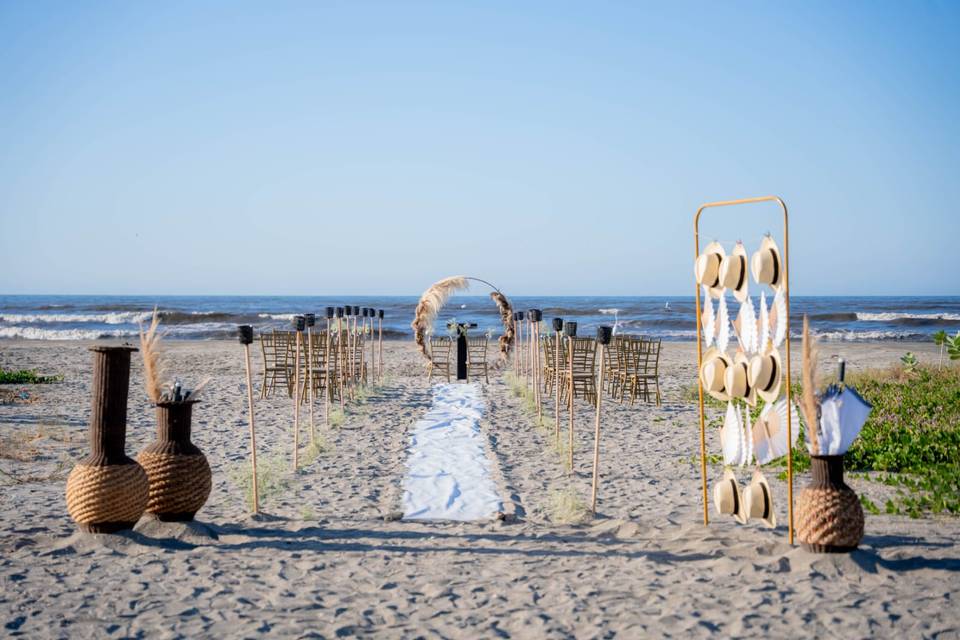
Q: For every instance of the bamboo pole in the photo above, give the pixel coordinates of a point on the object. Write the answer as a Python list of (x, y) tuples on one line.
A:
[(529, 357), (570, 428), (557, 328), (604, 335), (520, 346), (535, 316), (536, 377), (327, 389), (311, 320), (299, 323), (361, 337), (246, 337), (380, 345), (373, 350), (570, 329), (349, 345), (340, 347)]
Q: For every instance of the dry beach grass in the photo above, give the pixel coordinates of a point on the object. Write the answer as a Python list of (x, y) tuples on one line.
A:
[(330, 559)]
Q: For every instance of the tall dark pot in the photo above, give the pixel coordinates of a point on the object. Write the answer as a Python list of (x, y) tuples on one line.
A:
[(180, 477), (107, 491), (829, 515)]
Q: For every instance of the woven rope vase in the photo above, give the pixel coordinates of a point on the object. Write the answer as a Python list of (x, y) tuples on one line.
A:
[(180, 477), (829, 515), (107, 491)]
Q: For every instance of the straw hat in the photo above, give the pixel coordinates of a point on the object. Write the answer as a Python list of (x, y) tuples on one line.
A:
[(733, 272), (727, 499), (736, 380), (765, 374), (715, 365), (706, 268), (758, 501), (766, 266)]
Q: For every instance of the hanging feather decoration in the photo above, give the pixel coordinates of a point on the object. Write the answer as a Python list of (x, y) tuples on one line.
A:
[(780, 304), (708, 320), (723, 320), (429, 306), (506, 316), (731, 436), (764, 324)]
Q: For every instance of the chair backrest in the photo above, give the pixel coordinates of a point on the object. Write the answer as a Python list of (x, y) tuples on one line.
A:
[(651, 352), (610, 358), (477, 346), (440, 350), (319, 345), (549, 351), (276, 348), (584, 356)]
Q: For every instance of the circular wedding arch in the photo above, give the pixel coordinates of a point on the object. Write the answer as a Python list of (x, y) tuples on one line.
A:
[(434, 298)]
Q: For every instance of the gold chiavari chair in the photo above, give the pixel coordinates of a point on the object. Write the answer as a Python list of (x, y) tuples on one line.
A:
[(277, 361), (581, 380), (318, 373), (611, 363), (440, 356), (641, 368), (477, 356)]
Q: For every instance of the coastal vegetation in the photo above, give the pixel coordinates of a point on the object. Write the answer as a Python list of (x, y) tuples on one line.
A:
[(912, 437), (909, 442), (27, 376)]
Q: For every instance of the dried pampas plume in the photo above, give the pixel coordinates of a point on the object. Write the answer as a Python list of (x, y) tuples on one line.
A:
[(150, 349), (429, 306), (809, 404), (506, 315)]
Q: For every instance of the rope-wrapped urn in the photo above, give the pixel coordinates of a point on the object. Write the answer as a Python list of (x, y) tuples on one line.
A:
[(107, 491), (829, 515), (179, 474)]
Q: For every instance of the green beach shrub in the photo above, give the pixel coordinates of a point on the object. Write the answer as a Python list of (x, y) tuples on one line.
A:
[(27, 376)]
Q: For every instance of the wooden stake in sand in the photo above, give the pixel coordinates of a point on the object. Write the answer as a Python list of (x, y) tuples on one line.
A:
[(327, 389), (520, 349), (362, 353), (311, 320), (245, 333), (340, 355), (558, 336), (357, 348), (299, 323), (535, 317), (348, 348), (380, 345), (570, 330), (373, 349), (528, 359), (604, 335)]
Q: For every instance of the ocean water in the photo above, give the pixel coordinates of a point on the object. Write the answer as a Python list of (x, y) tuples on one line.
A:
[(670, 318)]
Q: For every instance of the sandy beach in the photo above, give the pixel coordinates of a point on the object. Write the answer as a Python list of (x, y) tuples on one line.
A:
[(331, 559)]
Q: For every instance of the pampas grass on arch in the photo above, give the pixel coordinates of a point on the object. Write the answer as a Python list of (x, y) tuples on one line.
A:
[(434, 298)]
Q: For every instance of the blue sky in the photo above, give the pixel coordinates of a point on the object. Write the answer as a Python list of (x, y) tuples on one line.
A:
[(553, 148)]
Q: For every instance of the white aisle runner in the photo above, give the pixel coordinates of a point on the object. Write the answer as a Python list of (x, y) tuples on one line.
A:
[(448, 473)]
